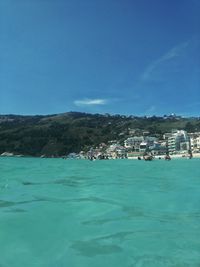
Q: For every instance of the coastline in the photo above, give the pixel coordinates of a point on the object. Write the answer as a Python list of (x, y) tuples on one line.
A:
[(157, 157), (175, 156)]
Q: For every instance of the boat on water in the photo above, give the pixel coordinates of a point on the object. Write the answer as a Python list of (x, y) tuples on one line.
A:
[(167, 157), (148, 157)]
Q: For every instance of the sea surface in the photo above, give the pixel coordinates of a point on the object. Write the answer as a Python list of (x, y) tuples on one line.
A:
[(108, 213)]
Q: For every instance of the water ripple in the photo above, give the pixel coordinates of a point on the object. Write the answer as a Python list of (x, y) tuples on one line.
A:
[(4, 204), (93, 248)]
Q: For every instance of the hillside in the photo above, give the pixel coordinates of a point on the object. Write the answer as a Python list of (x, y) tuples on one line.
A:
[(60, 134)]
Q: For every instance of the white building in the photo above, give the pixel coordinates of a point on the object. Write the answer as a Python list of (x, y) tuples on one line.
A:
[(143, 146), (195, 143), (134, 142), (179, 141)]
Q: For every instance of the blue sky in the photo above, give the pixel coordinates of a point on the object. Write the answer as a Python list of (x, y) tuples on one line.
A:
[(101, 56)]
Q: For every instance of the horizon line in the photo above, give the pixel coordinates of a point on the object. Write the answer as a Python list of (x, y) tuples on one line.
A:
[(103, 114)]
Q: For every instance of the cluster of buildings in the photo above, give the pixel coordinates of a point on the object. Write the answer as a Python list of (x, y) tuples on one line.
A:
[(177, 142)]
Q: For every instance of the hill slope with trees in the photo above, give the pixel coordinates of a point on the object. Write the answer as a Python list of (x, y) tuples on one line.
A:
[(60, 134)]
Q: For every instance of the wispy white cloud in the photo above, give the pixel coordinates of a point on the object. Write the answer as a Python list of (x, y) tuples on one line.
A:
[(89, 102), (172, 54)]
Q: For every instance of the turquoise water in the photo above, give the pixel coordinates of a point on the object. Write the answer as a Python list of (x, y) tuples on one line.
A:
[(76, 213)]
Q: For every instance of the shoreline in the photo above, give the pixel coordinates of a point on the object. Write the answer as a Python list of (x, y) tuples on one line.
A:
[(157, 157), (175, 156)]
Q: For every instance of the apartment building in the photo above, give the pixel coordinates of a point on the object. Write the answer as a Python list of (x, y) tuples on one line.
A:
[(178, 141)]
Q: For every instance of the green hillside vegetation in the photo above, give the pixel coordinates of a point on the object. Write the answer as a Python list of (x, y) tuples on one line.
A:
[(58, 135)]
